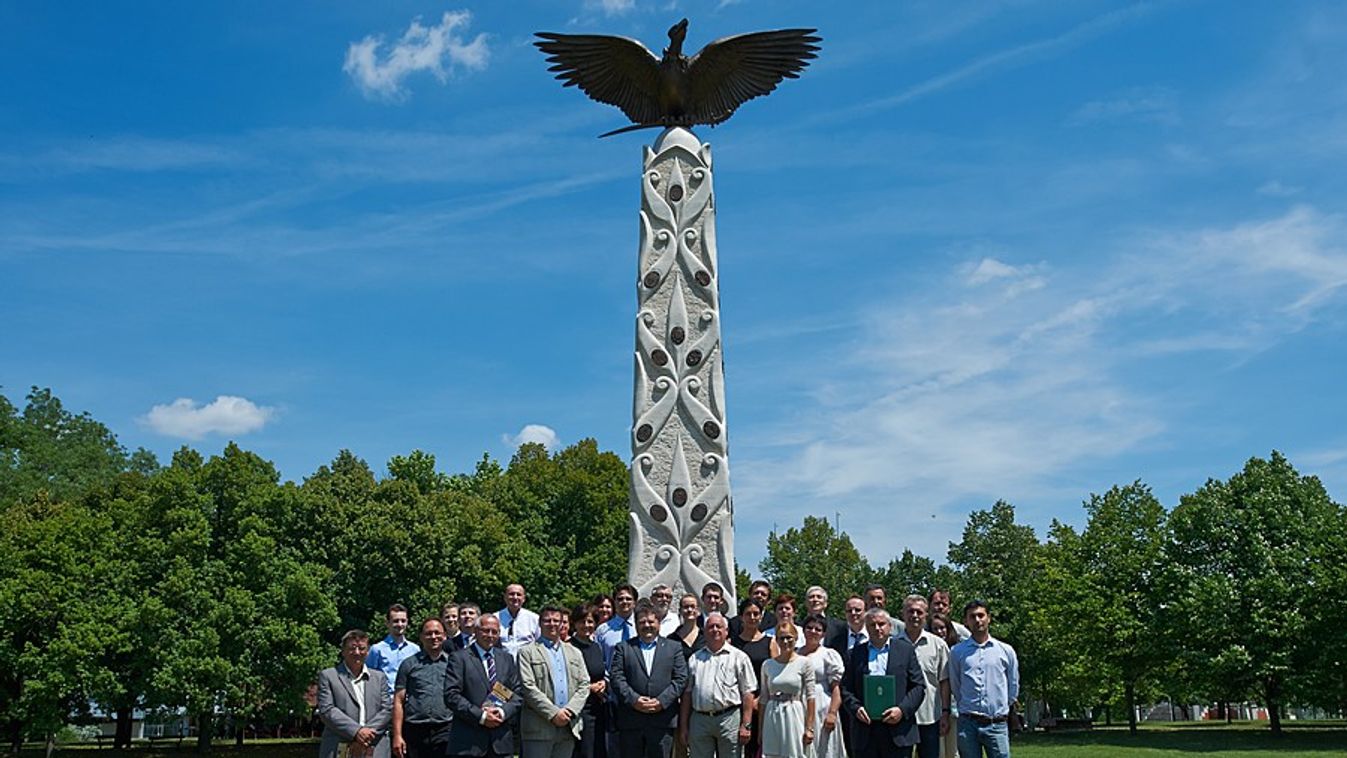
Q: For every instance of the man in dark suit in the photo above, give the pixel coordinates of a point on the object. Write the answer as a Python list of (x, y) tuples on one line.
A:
[(895, 732), (483, 714), (835, 629), (648, 675)]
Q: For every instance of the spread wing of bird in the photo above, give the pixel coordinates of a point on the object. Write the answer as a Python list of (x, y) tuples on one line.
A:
[(733, 70), (614, 70)]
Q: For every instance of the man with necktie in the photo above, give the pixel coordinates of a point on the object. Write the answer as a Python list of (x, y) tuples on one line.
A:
[(892, 733), (481, 687)]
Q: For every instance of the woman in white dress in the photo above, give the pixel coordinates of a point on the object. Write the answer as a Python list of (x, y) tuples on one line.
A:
[(786, 700), (827, 664)]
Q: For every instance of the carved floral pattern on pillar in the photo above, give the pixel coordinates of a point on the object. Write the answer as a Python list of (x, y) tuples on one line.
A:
[(682, 530)]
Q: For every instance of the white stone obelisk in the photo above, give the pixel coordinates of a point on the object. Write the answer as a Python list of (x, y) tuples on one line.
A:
[(682, 527)]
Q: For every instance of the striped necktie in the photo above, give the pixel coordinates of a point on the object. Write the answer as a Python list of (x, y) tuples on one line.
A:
[(490, 668)]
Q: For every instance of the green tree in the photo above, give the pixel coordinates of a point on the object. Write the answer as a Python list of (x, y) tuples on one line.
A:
[(815, 553), (1003, 564), (1244, 551), (1115, 590), (47, 448)]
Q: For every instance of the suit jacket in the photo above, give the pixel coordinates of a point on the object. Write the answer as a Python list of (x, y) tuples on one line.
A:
[(664, 682), (835, 636), (341, 714), (905, 670), (535, 674), (456, 643), (466, 690)]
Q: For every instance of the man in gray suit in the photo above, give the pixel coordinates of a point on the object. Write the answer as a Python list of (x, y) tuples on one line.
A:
[(555, 687), (648, 675), (354, 703), (481, 687)]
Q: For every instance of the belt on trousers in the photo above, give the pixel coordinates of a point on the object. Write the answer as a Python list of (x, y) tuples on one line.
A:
[(782, 697), (985, 720), (721, 712)]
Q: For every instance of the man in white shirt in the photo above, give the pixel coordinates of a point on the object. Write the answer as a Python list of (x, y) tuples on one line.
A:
[(933, 657), (518, 625), (661, 596), (717, 707)]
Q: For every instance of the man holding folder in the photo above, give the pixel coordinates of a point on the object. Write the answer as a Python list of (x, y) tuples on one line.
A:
[(882, 689)]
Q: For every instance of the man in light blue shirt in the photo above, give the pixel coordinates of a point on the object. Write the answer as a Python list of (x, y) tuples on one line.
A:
[(984, 678), (622, 626), (388, 654)]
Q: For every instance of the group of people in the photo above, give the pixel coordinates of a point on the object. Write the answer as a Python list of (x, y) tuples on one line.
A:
[(630, 677)]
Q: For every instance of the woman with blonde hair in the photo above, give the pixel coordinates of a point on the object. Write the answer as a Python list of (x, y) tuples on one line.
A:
[(786, 699)]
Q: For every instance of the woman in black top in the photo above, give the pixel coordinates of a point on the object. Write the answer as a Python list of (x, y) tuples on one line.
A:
[(689, 632), (594, 716), (758, 646)]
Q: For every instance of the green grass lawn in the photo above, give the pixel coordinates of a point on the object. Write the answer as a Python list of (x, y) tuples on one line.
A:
[(1241, 740)]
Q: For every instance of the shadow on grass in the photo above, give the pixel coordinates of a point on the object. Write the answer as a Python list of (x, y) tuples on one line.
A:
[(1205, 738)]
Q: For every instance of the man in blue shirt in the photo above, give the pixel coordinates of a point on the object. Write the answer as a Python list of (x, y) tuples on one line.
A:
[(389, 653), (622, 626), (984, 678)]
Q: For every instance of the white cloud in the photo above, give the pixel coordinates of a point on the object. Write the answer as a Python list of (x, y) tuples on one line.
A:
[(1275, 188), (612, 7), (441, 50), (1154, 105), (974, 390), (226, 415), (543, 435)]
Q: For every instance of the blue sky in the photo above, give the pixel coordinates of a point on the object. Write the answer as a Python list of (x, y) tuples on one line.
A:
[(1020, 250)]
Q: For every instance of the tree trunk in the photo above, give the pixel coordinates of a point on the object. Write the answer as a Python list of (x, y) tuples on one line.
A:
[(14, 733), (238, 733), (51, 744), (1108, 715), (1130, 694), (205, 729), (121, 738), (1273, 688)]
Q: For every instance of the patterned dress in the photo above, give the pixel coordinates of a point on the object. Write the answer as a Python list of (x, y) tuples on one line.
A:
[(828, 666)]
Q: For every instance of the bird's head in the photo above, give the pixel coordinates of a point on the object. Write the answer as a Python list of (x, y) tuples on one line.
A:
[(677, 33)]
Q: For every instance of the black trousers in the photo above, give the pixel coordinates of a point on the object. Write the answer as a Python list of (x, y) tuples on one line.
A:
[(426, 740), (645, 743), (929, 747)]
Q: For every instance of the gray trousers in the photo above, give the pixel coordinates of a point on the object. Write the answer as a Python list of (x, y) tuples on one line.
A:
[(559, 748), (709, 736)]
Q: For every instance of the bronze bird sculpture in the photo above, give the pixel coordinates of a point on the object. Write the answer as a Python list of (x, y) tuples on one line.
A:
[(677, 90)]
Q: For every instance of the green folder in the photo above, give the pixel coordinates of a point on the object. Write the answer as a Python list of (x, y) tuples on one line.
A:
[(881, 694)]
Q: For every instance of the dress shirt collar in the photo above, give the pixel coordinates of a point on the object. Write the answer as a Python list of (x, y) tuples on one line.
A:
[(648, 645), (389, 641), (550, 644), (878, 648), (481, 651)]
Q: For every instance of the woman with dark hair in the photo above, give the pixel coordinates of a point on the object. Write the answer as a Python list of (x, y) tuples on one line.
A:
[(942, 626), (828, 669), (758, 646), (594, 716), (689, 631), (603, 609)]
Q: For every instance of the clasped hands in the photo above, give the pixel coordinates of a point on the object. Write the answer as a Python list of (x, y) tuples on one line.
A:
[(492, 717), (647, 705)]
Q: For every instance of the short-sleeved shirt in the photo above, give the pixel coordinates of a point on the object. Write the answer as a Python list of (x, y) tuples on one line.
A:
[(423, 681), (721, 679), (933, 657)]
